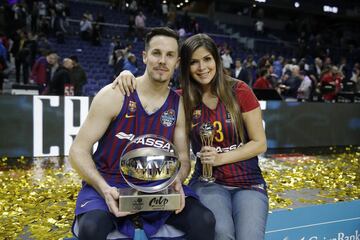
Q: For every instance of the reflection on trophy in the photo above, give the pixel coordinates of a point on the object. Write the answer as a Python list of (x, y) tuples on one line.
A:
[(207, 136), (149, 165)]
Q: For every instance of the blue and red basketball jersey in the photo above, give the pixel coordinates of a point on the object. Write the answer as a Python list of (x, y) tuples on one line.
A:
[(245, 174), (132, 122)]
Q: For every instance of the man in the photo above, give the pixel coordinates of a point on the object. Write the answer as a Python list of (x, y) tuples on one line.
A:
[(240, 72), (61, 78), (41, 72), (113, 115), (78, 76)]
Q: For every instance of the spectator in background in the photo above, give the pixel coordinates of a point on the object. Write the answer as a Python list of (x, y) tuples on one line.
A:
[(114, 45), (259, 27), (130, 64), (41, 71), (227, 59), (61, 78), (240, 72), (21, 51), (262, 82), (305, 88), (78, 76), (250, 66), (165, 11), (140, 24), (133, 7), (85, 28), (291, 85), (119, 62), (330, 83), (278, 66), (43, 45), (355, 76)]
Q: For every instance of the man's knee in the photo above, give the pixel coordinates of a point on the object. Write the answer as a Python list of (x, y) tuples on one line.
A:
[(95, 225), (207, 219)]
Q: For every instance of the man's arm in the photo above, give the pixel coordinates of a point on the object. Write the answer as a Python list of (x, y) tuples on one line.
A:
[(104, 108)]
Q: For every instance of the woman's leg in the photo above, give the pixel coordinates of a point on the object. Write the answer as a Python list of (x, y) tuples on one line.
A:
[(195, 220), (218, 200), (250, 210)]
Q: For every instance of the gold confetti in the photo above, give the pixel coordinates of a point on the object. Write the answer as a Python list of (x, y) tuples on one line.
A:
[(37, 196)]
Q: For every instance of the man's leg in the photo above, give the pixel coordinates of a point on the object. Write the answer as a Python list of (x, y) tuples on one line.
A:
[(250, 210), (218, 200), (95, 225), (195, 220)]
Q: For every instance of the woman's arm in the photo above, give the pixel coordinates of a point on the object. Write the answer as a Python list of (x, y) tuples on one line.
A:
[(126, 82), (255, 146)]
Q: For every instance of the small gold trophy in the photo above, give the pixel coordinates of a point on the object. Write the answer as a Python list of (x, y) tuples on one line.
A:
[(207, 136)]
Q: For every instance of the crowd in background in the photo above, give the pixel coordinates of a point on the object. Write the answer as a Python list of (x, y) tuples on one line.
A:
[(26, 52)]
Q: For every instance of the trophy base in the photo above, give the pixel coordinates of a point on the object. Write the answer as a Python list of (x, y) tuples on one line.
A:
[(207, 179), (131, 200)]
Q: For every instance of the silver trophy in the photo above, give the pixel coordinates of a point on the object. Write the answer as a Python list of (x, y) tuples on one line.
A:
[(149, 165), (207, 136)]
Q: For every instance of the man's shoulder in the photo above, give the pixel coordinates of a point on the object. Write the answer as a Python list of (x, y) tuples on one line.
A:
[(109, 95)]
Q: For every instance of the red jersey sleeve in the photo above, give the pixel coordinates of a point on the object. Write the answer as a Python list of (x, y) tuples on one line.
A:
[(245, 97)]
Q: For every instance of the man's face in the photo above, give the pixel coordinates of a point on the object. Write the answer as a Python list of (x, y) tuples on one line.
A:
[(68, 63), (52, 58), (161, 58)]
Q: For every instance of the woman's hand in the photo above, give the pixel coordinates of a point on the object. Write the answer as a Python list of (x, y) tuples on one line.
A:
[(126, 82), (209, 155)]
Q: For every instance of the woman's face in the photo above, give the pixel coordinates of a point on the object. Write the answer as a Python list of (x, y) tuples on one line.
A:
[(202, 66)]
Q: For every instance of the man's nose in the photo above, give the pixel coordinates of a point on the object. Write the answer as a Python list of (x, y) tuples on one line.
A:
[(162, 58)]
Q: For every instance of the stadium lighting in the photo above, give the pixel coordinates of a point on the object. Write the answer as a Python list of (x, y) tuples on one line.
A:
[(164, 1), (261, 1), (297, 4), (186, 1), (330, 9), (181, 4), (178, 6)]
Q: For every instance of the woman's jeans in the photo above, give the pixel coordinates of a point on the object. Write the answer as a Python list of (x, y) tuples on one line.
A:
[(240, 214)]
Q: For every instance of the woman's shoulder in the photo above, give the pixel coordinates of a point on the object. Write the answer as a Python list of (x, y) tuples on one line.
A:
[(245, 96)]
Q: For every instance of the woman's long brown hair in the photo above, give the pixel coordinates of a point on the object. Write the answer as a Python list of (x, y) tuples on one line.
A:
[(222, 86)]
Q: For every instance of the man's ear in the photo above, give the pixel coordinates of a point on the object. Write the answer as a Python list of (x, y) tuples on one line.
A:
[(144, 56)]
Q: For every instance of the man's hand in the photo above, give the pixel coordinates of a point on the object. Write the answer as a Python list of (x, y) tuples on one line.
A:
[(178, 187), (111, 196), (126, 82)]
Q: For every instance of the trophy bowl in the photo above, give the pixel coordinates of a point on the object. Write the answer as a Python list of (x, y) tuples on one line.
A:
[(149, 164)]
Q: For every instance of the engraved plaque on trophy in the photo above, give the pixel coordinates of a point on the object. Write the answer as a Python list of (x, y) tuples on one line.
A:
[(149, 165), (207, 136)]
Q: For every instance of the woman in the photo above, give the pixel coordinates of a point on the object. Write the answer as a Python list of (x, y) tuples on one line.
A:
[(238, 196)]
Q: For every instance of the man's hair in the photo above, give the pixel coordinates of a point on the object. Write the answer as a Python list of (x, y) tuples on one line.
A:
[(160, 31), (74, 58)]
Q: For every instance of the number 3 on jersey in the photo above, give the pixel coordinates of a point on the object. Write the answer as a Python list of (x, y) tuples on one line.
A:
[(219, 137)]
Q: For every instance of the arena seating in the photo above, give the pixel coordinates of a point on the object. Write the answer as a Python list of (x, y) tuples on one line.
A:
[(94, 59)]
